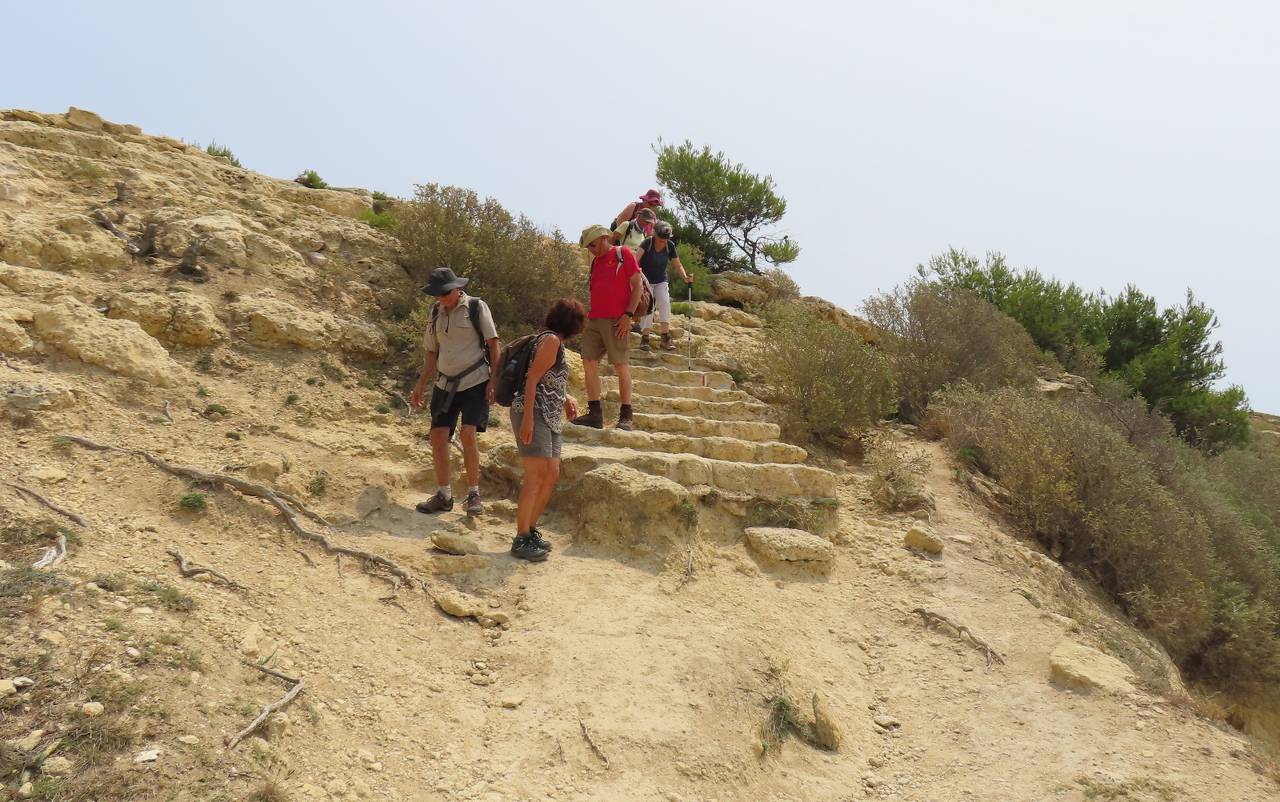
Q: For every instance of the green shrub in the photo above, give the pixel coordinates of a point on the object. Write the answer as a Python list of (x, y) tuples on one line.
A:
[(828, 383), (195, 502), (291, 399), (318, 485), (937, 336), (222, 152), (381, 220), (1152, 519), (691, 258), (311, 179), (515, 267)]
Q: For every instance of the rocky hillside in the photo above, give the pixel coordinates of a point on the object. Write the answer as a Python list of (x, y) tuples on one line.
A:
[(195, 376)]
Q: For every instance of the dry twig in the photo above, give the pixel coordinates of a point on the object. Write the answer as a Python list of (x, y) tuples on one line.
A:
[(688, 570), (52, 555), (306, 557), (591, 743), (100, 217), (33, 495), (962, 632), (296, 687), (189, 570), (367, 559)]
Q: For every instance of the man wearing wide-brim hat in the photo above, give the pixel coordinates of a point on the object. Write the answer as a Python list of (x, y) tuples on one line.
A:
[(616, 287), (461, 342)]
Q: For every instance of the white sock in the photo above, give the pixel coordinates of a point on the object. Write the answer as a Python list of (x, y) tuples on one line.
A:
[(446, 491), (474, 489)]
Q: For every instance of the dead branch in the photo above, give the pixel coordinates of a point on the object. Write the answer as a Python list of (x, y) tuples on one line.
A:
[(190, 570), (52, 555), (167, 415), (296, 687), (962, 633), (591, 743), (189, 264), (100, 217), (34, 496), (122, 193), (147, 242), (306, 557), (290, 516), (688, 570)]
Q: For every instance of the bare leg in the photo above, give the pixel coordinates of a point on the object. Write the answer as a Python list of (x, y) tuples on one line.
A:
[(592, 368), (440, 454), (530, 489), (624, 382), (470, 455), (549, 479)]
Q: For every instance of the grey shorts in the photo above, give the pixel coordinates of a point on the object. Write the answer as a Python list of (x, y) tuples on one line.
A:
[(545, 443)]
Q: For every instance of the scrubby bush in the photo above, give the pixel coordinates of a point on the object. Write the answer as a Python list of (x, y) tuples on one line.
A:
[(692, 260), (311, 179), (896, 475), (383, 220), (937, 336), (828, 383), (1105, 485), (517, 268), (222, 152), (1167, 355)]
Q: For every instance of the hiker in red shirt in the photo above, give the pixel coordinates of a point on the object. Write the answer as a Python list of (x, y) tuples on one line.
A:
[(649, 200), (616, 289)]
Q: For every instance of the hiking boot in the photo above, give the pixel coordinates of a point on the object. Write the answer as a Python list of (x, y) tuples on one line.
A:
[(539, 539), (624, 419), (644, 343), (437, 503), (594, 418), (527, 548), (473, 505), (667, 344)]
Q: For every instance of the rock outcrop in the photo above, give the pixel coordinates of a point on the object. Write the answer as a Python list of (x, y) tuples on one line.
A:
[(273, 323), (1073, 665), (795, 546), (121, 346), (179, 318)]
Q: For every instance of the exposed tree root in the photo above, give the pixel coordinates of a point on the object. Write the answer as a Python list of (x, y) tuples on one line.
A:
[(962, 632), (586, 734), (52, 555), (687, 576), (368, 560), (190, 570), (100, 217), (296, 687), (34, 496)]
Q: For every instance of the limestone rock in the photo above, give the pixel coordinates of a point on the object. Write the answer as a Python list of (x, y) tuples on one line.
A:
[(658, 510), (1074, 665), (121, 346), (92, 709), (726, 314), (56, 766), (922, 539), (84, 119), (13, 338), (147, 756), (276, 726), (790, 545), (346, 204), (274, 323), (7, 688), (182, 318), (825, 310), (51, 637), (265, 470), (34, 397), (255, 643), (459, 605), (454, 543), (825, 726), (741, 289)]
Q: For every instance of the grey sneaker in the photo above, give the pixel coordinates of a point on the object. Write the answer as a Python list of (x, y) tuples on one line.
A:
[(539, 539), (473, 505), (437, 503), (526, 548)]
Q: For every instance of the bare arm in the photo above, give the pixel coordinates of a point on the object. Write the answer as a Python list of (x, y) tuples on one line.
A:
[(684, 275), (626, 214)]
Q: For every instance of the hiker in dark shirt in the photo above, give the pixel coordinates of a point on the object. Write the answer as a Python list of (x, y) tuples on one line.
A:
[(656, 253)]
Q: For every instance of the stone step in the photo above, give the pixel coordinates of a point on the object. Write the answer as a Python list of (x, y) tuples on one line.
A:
[(731, 449), (715, 379), (674, 359), (714, 410), (768, 480), (697, 426), (657, 389)]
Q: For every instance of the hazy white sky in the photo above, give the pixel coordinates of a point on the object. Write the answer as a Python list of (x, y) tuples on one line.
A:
[(1102, 142)]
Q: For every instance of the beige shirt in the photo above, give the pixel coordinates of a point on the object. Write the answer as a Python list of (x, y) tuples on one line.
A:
[(456, 344)]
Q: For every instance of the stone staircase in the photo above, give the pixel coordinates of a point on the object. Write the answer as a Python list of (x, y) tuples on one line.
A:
[(702, 451)]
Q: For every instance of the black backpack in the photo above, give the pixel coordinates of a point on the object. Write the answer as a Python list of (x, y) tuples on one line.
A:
[(513, 367)]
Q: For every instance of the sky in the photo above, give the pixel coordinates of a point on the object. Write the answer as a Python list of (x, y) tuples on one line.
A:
[(1104, 143)]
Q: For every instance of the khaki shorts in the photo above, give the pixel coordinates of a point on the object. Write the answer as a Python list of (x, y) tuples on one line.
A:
[(598, 340)]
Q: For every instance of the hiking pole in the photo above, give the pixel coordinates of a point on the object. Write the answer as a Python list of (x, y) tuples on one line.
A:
[(688, 330)]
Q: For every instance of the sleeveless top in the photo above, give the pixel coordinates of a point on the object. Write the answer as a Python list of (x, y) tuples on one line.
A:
[(549, 394)]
